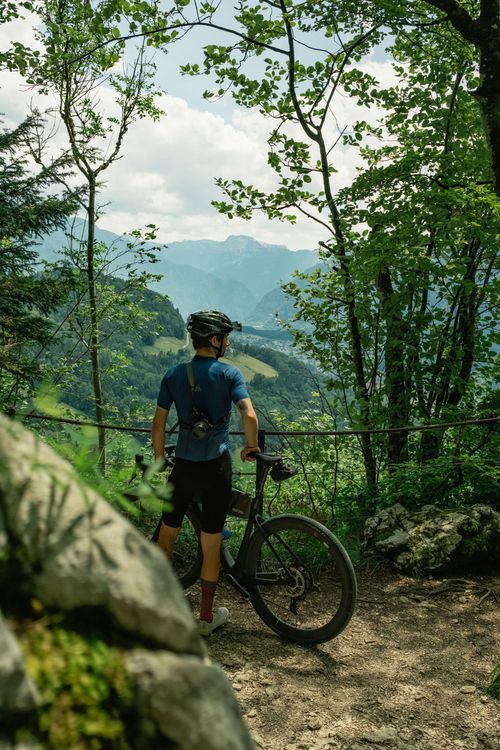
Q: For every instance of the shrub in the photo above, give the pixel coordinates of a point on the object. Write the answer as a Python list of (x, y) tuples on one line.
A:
[(493, 688)]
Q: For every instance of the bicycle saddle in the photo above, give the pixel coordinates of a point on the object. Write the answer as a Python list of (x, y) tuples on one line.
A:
[(279, 469), (266, 458)]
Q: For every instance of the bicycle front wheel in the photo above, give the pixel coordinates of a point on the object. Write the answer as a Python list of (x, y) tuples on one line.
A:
[(302, 581)]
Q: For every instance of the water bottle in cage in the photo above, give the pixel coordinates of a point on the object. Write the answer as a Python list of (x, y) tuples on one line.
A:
[(226, 533)]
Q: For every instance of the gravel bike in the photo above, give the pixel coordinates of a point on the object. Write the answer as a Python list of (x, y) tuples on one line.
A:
[(292, 569)]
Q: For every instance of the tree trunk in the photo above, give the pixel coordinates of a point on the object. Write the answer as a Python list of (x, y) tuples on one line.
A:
[(94, 327), (484, 33), (315, 134), (430, 445), (449, 390), (488, 91), (361, 388), (395, 380)]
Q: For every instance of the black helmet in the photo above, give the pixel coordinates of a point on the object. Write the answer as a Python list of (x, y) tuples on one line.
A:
[(211, 323)]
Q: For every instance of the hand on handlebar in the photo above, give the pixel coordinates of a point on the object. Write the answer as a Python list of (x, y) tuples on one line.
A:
[(162, 464), (246, 453)]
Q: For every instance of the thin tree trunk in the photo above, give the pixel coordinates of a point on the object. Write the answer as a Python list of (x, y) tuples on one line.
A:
[(395, 380), (484, 33), (314, 132), (449, 392), (94, 327)]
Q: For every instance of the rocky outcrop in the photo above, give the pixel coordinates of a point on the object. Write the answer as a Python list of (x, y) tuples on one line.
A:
[(434, 540), (17, 691), (80, 551), (172, 690), (74, 552)]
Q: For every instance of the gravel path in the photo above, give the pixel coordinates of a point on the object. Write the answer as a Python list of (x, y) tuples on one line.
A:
[(409, 672)]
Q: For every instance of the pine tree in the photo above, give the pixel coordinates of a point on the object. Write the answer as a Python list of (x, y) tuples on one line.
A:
[(29, 208)]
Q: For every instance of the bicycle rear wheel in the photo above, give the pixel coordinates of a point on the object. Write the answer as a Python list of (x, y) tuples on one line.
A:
[(302, 581), (187, 557)]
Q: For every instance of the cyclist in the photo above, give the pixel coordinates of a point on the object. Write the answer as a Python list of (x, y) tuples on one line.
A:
[(203, 392)]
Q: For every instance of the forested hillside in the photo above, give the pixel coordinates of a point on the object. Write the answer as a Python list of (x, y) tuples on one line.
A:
[(136, 356), (129, 374)]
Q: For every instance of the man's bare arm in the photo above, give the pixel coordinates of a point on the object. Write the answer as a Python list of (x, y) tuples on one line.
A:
[(250, 427), (158, 432)]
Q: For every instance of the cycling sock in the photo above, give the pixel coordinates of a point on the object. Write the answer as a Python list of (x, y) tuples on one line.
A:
[(207, 599)]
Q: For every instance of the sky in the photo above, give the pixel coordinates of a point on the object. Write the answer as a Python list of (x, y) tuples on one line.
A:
[(167, 170)]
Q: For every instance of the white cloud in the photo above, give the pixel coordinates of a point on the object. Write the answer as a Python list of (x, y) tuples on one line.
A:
[(167, 169)]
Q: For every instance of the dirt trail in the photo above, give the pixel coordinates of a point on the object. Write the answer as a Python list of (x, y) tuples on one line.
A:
[(409, 672)]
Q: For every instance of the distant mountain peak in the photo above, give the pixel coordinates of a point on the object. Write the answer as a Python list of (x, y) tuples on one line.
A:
[(241, 242), (241, 238), (245, 242), (234, 274)]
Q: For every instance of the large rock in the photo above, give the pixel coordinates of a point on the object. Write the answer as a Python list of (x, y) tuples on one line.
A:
[(172, 690), (434, 540), (17, 691), (73, 550), (81, 552)]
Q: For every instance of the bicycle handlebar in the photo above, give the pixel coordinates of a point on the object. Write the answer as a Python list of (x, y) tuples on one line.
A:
[(266, 460)]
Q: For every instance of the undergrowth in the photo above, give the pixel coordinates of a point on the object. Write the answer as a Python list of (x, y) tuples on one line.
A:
[(494, 686), (85, 695)]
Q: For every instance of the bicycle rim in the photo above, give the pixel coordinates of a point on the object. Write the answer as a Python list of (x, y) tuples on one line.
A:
[(302, 580)]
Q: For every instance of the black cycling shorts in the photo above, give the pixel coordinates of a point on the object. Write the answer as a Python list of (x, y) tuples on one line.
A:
[(209, 482)]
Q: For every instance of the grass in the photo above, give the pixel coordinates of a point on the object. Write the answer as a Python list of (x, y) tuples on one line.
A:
[(166, 344), (79, 444), (78, 437), (250, 366), (74, 434), (494, 686)]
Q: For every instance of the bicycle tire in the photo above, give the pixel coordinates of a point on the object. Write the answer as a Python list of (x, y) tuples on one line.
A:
[(310, 592), (188, 556)]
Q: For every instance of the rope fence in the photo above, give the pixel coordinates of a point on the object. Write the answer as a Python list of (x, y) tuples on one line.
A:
[(291, 433)]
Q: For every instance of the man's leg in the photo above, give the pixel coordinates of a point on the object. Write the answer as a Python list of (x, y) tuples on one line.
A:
[(167, 537), (215, 502), (172, 519), (210, 546)]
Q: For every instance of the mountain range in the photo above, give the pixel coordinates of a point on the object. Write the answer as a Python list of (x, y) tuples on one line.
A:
[(239, 275)]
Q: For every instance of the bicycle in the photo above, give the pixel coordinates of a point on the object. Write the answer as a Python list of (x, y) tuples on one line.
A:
[(292, 569)]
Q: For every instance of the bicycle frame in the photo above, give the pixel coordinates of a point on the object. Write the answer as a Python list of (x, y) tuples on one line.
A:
[(235, 568)]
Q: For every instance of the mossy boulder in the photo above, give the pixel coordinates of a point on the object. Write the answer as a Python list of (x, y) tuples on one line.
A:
[(433, 539)]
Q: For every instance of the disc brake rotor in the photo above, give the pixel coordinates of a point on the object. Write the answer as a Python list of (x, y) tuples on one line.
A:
[(302, 581)]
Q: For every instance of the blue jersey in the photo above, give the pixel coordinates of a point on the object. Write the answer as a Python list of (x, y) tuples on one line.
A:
[(217, 387)]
